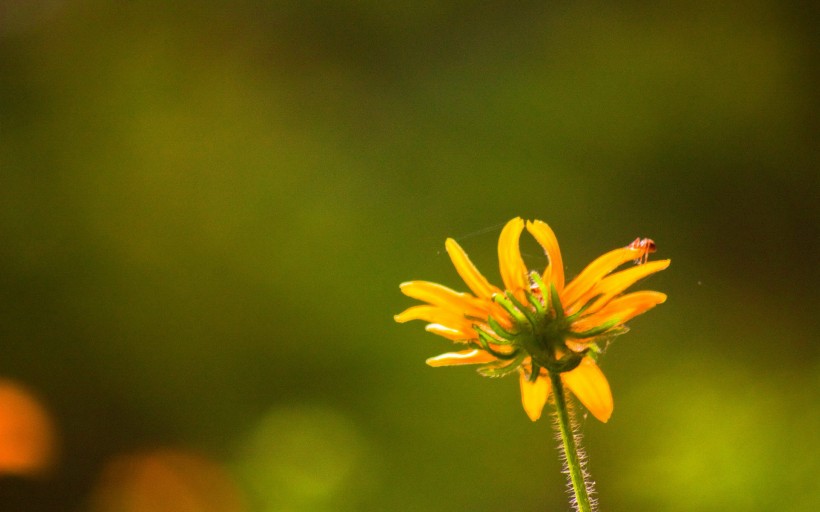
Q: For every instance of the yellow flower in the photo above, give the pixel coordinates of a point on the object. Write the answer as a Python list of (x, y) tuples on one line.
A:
[(536, 324)]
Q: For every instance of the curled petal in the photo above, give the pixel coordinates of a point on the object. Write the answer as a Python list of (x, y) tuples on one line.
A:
[(471, 276), (534, 394), (588, 383), (543, 234), (462, 357), (512, 267), (622, 308), (593, 273)]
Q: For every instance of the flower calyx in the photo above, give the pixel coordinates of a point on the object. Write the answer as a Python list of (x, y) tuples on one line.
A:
[(538, 337)]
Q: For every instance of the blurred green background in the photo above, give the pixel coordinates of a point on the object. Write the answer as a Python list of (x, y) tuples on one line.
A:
[(206, 209)]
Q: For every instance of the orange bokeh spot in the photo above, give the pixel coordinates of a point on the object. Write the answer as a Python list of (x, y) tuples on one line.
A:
[(166, 480), (27, 438)]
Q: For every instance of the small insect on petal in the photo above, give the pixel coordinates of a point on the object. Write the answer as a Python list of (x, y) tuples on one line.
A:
[(645, 246)]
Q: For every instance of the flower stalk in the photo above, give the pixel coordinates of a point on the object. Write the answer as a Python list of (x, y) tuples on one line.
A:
[(573, 461)]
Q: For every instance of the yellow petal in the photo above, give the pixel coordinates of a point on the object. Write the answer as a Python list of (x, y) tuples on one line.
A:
[(593, 273), (450, 333), (589, 385), (434, 315), (497, 312), (512, 267), (471, 276), (544, 235), (462, 357), (446, 298), (611, 286), (534, 394), (623, 308)]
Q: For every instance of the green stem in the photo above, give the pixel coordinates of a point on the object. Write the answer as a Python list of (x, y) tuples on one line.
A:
[(576, 473)]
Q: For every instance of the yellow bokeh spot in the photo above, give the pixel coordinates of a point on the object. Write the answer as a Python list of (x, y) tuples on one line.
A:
[(303, 459)]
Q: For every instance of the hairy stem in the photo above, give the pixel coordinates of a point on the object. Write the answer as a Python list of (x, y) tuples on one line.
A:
[(576, 472)]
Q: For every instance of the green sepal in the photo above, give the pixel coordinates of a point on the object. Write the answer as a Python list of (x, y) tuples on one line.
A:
[(537, 301), (508, 306), (594, 351), (485, 339), (536, 370), (567, 363), (595, 331), (584, 308), (490, 337), (536, 304), (502, 370), (523, 309), (555, 301), (539, 283), (603, 341), (499, 330)]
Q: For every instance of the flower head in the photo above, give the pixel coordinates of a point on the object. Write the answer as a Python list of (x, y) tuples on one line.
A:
[(536, 324)]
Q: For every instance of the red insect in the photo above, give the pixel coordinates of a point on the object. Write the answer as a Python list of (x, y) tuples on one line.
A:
[(646, 246)]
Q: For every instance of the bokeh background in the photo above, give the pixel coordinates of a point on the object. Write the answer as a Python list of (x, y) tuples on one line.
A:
[(206, 209)]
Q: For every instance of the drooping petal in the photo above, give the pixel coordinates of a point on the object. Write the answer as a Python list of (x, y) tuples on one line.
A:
[(446, 298), (512, 267), (623, 308), (593, 273), (471, 276), (462, 357), (612, 285), (534, 394), (434, 315), (543, 234), (588, 383)]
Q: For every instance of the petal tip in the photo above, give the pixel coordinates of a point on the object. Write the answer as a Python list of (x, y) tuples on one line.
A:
[(534, 395), (602, 412), (403, 317)]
